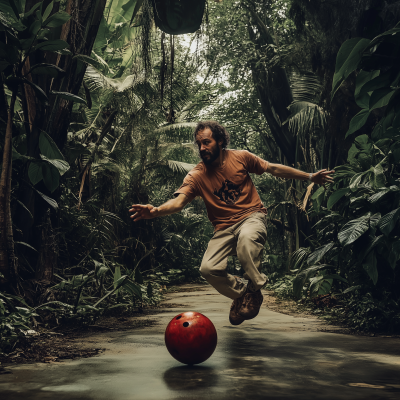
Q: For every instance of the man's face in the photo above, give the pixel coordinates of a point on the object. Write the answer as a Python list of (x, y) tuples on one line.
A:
[(208, 147)]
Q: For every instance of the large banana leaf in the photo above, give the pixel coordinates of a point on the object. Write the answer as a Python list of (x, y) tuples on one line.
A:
[(319, 253), (303, 276), (354, 229), (48, 147), (370, 266), (378, 196), (336, 196), (358, 121), (347, 60), (389, 221), (361, 95), (373, 243), (320, 285), (394, 253)]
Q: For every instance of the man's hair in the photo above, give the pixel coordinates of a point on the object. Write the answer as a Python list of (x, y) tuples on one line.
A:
[(219, 132)]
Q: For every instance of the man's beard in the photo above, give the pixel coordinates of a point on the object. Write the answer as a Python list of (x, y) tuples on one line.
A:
[(212, 155)]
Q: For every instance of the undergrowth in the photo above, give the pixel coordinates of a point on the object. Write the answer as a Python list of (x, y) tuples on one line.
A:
[(81, 300), (359, 311)]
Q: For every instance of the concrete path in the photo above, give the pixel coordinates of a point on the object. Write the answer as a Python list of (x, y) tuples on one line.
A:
[(274, 356)]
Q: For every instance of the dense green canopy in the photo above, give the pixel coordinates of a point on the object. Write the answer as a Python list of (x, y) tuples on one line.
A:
[(97, 112)]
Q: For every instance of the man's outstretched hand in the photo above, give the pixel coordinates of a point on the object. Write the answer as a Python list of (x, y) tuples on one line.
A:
[(322, 177), (143, 211)]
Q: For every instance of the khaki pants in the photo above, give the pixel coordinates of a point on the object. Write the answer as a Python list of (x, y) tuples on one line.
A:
[(246, 240)]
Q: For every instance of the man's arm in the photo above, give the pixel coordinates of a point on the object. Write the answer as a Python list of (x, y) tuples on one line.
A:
[(282, 171), (148, 211)]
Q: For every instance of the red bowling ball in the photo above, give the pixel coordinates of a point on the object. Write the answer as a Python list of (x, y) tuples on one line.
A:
[(191, 338)]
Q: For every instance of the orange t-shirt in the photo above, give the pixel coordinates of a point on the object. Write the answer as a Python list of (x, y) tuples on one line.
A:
[(228, 191)]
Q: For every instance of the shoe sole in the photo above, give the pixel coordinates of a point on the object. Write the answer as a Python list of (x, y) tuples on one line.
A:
[(236, 322)]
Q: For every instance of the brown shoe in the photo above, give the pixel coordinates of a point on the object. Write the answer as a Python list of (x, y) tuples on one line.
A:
[(234, 317), (251, 304)]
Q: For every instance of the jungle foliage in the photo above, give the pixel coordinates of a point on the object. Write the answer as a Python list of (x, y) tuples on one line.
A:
[(97, 109), (356, 246)]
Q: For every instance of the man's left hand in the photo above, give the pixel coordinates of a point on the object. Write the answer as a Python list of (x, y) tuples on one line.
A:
[(322, 177)]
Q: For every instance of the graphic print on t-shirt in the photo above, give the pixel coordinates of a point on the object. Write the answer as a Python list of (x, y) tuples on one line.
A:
[(228, 192)]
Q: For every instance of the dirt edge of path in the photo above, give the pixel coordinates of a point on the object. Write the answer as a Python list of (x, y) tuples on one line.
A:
[(73, 342), (66, 342), (292, 308)]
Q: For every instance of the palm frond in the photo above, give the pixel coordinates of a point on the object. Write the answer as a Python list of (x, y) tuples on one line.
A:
[(178, 126), (180, 167), (111, 216), (105, 165), (166, 147), (305, 87), (126, 84), (103, 64), (298, 257), (306, 118), (96, 80), (182, 131)]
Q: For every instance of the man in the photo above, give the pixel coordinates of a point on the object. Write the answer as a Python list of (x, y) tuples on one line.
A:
[(236, 211)]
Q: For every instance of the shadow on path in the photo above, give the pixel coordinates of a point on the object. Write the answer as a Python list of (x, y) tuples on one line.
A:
[(273, 356), (190, 377)]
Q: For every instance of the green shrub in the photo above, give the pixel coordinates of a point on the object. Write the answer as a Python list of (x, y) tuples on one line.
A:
[(281, 285)]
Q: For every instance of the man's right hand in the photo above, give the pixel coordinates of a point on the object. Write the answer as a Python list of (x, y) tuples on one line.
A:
[(143, 211)]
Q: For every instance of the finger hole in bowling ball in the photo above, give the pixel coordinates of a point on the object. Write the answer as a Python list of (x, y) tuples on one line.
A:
[(186, 324), (179, 317)]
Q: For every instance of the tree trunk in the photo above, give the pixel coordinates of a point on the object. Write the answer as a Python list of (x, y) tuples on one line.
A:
[(80, 33), (273, 90), (275, 95), (8, 261), (48, 251), (283, 138), (3, 102)]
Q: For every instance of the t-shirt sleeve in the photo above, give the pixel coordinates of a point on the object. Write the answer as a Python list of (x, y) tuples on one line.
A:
[(188, 188), (254, 164)]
